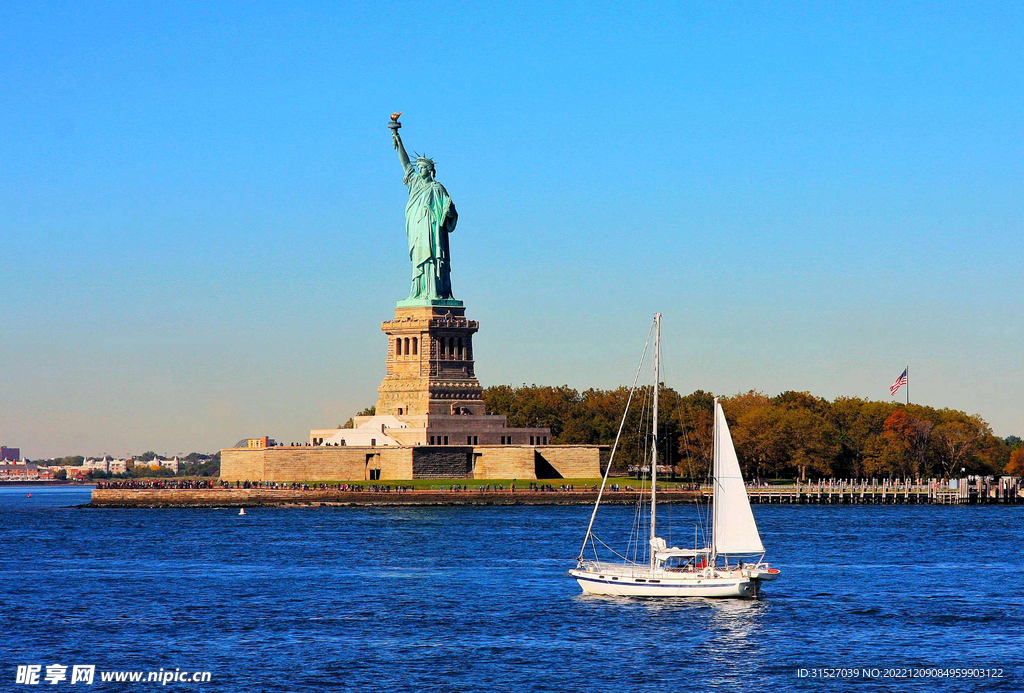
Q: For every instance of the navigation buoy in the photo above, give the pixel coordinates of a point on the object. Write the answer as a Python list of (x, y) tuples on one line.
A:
[(30, 495)]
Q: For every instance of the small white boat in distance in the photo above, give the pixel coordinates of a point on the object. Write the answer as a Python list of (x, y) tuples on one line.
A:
[(731, 564), (241, 511)]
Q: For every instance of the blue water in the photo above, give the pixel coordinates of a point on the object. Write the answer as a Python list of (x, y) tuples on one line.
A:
[(478, 599)]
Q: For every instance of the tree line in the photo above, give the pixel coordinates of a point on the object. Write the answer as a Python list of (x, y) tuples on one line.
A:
[(790, 435)]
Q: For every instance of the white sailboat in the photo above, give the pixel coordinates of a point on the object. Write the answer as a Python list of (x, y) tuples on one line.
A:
[(731, 564)]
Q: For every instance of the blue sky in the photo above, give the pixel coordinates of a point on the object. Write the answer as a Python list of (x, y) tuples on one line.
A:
[(201, 214)]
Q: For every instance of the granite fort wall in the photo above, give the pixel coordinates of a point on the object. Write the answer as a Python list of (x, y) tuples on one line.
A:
[(569, 461), (342, 463), (286, 464), (240, 464), (504, 462)]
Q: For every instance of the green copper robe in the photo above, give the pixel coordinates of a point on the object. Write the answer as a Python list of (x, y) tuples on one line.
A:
[(429, 217)]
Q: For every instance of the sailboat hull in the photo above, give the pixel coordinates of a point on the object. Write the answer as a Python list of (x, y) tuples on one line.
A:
[(693, 585)]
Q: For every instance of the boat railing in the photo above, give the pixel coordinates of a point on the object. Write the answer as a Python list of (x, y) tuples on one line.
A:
[(638, 569), (615, 568)]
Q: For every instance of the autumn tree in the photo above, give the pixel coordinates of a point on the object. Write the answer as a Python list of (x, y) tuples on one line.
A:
[(1016, 464), (695, 415), (763, 441), (905, 439)]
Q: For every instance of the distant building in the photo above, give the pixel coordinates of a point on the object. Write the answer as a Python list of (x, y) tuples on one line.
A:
[(104, 464), (25, 472), (157, 463), (9, 454), (256, 443), (73, 473)]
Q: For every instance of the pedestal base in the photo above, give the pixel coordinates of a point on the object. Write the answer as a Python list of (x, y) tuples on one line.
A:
[(430, 361), (428, 303)]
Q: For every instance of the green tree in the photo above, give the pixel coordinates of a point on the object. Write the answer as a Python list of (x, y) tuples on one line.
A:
[(813, 434), (814, 446), (368, 411), (199, 464), (530, 406), (858, 425), (956, 443)]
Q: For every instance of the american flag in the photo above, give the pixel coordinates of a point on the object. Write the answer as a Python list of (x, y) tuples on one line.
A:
[(900, 382)]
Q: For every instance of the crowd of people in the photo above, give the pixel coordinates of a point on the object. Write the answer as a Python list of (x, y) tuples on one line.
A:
[(533, 486), (343, 487), (161, 483)]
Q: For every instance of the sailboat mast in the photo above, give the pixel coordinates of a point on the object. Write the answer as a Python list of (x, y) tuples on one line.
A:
[(654, 437), (615, 446), (714, 482)]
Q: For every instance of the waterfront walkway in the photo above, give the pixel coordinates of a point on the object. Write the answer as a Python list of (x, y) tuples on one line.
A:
[(960, 492), (379, 495)]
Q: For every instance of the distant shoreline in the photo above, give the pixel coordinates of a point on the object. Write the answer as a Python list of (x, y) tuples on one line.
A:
[(46, 484)]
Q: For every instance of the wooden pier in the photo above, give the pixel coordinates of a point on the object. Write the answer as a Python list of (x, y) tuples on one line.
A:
[(1006, 491)]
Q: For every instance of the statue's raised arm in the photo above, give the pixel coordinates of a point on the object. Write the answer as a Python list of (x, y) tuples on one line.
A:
[(396, 140)]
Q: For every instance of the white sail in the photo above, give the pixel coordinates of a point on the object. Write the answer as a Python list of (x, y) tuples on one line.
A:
[(734, 526)]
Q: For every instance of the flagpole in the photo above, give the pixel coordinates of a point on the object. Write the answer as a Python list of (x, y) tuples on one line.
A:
[(908, 386)]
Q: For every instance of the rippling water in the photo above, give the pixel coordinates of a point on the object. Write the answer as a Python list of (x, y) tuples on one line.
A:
[(478, 598)]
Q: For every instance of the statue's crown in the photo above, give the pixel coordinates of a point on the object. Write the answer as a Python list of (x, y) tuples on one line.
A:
[(423, 158)]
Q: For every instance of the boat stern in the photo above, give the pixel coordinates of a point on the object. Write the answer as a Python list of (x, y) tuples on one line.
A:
[(762, 574)]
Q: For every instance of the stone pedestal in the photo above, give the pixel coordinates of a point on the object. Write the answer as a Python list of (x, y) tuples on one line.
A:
[(430, 363), (430, 396)]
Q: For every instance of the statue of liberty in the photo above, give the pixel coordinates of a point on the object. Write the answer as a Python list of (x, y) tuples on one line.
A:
[(429, 217)]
